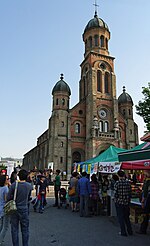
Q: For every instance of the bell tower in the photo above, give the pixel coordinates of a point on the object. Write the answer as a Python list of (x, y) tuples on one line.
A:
[(98, 87)]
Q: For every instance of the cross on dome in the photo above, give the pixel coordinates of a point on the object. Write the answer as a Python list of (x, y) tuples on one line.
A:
[(96, 6)]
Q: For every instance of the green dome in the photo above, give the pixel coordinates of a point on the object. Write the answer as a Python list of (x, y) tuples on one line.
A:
[(125, 97), (96, 22), (61, 85)]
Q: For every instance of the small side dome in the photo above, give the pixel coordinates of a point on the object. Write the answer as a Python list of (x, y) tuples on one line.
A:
[(125, 97), (96, 22), (61, 85)]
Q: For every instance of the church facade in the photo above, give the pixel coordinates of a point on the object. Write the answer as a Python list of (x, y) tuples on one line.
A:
[(98, 120)]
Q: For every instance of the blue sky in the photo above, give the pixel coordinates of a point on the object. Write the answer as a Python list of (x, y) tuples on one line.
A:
[(41, 39)]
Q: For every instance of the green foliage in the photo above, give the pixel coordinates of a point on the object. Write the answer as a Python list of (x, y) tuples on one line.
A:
[(143, 107)]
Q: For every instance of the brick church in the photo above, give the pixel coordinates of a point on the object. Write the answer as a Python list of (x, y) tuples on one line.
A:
[(98, 120)]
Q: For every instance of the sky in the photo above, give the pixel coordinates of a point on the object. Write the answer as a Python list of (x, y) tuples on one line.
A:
[(40, 39)]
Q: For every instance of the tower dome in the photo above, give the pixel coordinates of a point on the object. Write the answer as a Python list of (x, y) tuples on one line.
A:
[(96, 22), (125, 98), (61, 85)]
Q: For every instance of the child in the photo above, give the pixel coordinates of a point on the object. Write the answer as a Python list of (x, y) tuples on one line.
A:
[(41, 194)]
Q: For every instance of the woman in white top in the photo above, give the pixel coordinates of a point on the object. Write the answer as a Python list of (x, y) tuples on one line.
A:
[(4, 219)]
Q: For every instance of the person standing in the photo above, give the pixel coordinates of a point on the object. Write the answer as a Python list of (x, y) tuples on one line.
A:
[(145, 204), (122, 196), (94, 194), (74, 198), (41, 194), (105, 187), (22, 214), (13, 176), (4, 219), (57, 185), (84, 191)]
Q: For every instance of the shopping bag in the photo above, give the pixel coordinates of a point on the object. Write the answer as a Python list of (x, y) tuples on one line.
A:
[(10, 207), (71, 191)]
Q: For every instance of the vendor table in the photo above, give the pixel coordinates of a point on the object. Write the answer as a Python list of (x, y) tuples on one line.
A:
[(136, 211)]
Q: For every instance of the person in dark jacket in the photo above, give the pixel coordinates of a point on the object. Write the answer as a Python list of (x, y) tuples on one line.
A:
[(41, 194), (13, 176), (94, 194), (57, 184)]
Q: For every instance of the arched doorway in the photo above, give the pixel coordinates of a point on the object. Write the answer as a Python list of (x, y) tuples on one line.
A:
[(76, 157)]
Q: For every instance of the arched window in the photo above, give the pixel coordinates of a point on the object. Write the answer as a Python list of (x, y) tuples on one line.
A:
[(99, 81), (56, 101), (61, 159), (106, 82), (90, 42), (129, 111), (106, 43), (102, 41), (106, 126), (101, 126), (124, 112), (84, 86), (62, 144), (86, 83), (63, 101), (96, 40), (77, 128)]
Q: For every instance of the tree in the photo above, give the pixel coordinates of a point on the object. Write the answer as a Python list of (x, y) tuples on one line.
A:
[(143, 107)]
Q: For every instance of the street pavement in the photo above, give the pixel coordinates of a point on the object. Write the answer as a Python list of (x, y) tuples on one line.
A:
[(61, 227)]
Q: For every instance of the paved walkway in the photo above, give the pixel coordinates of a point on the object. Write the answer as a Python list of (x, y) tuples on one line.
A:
[(61, 227)]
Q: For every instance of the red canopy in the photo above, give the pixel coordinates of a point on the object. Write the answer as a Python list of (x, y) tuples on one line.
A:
[(136, 165)]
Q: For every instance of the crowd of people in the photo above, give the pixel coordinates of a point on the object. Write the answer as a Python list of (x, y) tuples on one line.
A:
[(84, 194)]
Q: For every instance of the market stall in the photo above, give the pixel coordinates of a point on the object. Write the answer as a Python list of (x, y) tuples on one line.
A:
[(136, 161), (106, 162), (104, 165)]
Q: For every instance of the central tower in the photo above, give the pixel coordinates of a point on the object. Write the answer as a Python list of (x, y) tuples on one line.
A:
[(98, 88)]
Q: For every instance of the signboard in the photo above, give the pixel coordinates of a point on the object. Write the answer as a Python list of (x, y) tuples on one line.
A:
[(109, 167), (51, 165)]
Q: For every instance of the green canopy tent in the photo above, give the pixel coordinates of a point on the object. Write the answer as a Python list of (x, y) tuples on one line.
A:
[(109, 155), (107, 161), (140, 152)]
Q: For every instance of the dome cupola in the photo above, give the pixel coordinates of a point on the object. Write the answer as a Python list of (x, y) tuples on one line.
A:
[(96, 22), (125, 98), (61, 86), (96, 36)]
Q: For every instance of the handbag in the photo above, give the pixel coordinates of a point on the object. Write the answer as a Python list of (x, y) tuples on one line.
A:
[(72, 191), (10, 206)]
